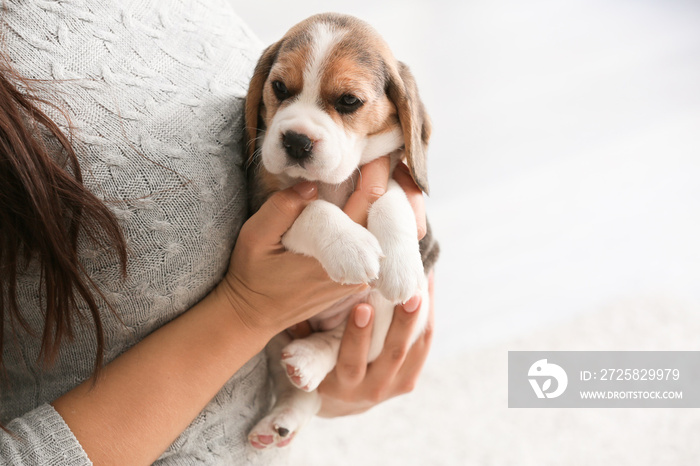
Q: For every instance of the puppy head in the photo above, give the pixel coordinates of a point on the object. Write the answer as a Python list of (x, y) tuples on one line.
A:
[(329, 97)]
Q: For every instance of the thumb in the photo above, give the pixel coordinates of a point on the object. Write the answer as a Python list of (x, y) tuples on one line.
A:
[(280, 211)]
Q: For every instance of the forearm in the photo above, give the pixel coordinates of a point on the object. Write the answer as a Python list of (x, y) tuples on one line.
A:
[(146, 397)]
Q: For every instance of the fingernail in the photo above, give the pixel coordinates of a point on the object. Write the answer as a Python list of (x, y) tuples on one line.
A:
[(412, 304), (362, 315), (306, 189)]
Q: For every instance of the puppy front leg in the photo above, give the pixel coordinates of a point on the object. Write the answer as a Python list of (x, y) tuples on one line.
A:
[(347, 251), (392, 221)]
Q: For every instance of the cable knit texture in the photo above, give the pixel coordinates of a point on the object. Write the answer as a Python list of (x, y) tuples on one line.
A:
[(154, 91)]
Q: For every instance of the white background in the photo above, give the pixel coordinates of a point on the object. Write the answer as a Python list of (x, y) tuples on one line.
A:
[(565, 159)]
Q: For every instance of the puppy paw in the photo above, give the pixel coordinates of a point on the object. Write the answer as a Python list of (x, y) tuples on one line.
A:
[(401, 275), (353, 257), (277, 429), (303, 365)]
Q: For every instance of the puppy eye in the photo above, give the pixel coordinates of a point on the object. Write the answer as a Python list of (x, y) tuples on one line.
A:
[(280, 90), (348, 103)]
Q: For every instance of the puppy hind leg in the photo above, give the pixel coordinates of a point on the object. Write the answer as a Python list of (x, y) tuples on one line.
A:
[(307, 361), (292, 408)]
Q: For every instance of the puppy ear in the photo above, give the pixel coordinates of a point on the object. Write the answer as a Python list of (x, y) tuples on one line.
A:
[(415, 123), (254, 107)]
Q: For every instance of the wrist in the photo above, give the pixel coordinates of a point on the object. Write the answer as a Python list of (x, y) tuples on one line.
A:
[(241, 313)]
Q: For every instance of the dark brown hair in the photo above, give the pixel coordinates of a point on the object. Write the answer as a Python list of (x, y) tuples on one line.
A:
[(43, 208)]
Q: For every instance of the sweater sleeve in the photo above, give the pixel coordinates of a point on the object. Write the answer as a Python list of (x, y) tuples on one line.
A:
[(40, 437)]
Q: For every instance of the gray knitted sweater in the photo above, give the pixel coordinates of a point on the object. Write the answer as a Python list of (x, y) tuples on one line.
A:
[(154, 90)]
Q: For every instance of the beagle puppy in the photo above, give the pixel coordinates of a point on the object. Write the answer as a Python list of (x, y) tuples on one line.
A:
[(326, 99)]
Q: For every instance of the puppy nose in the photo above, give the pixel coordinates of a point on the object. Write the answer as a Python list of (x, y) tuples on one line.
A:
[(298, 146)]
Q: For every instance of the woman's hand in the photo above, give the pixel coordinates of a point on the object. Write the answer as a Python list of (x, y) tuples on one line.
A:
[(270, 288), (354, 386)]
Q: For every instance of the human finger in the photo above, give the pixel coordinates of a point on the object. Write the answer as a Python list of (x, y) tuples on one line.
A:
[(396, 345), (407, 377), (371, 185), (352, 356), (279, 212), (413, 364), (402, 175)]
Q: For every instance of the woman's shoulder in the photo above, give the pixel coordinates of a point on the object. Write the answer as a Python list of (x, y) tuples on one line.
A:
[(187, 48)]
